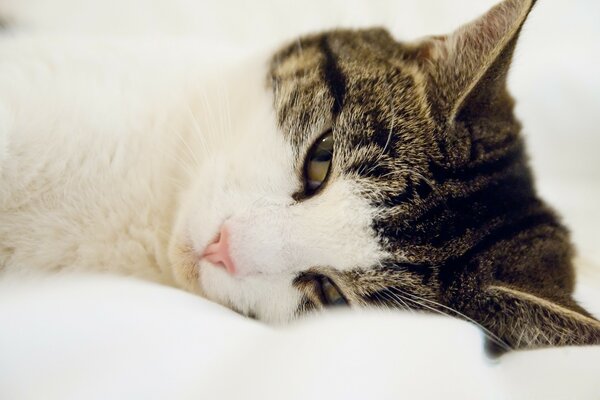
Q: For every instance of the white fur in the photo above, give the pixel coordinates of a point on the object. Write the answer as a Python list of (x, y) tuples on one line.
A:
[(90, 147), (128, 156)]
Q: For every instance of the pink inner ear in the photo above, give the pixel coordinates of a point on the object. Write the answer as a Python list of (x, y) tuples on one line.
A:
[(475, 43), (456, 63), (479, 40), (427, 50)]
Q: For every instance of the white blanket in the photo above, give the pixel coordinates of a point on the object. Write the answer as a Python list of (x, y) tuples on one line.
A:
[(115, 338), (100, 337)]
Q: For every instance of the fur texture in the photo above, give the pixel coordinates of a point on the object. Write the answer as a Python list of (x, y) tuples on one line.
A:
[(132, 162)]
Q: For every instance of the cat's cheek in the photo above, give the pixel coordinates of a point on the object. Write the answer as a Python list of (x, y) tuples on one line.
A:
[(333, 230), (271, 298), (260, 241)]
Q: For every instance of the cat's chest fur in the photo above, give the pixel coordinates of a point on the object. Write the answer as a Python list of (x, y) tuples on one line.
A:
[(94, 148)]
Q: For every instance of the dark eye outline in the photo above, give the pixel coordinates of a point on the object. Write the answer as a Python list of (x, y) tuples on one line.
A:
[(329, 293), (308, 191)]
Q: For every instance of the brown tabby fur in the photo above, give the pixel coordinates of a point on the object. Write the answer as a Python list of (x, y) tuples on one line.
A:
[(428, 132)]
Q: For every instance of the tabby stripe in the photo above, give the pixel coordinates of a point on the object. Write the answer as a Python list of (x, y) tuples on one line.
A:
[(401, 197), (284, 109), (453, 218), (442, 174), (421, 189), (458, 230), (513, 188), (503, 233), (335, 79), (439, 235), (423, 271)]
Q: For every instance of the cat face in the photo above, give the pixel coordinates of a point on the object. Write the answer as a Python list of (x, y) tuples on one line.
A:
[(379, 221), (369, 172), (254, 191), (292, 247)]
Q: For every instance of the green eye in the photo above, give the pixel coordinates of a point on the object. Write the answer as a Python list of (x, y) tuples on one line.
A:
[(318, 162), (330, 294)]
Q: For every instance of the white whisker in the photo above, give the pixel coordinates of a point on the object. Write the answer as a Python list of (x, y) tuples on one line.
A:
[(487, 332)]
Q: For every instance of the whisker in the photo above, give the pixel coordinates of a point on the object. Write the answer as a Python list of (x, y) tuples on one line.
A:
[(197, 132), (486, 331), (403, 302), (299, 46), (387, 142), (190, 152), (209, 118), (396, 301), (228, 119), (185, 167)]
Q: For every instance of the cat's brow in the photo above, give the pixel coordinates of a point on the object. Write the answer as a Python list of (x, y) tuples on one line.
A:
[(335, 79)]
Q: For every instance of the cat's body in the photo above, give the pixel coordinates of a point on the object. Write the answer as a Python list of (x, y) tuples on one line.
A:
[(96, 141), (195, 168), (64, 204)]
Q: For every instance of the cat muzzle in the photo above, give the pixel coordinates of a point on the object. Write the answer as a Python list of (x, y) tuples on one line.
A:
[(217, 252)]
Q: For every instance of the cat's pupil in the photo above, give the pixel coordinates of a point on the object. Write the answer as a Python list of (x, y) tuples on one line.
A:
[(322, 156)]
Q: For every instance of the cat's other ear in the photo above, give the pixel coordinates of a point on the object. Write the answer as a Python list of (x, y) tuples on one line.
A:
[(466, 70), (525, 320)]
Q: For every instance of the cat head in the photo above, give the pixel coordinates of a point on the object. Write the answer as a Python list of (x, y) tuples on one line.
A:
[(370, 172)]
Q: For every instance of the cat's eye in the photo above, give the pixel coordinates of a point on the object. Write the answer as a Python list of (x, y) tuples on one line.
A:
[(329, 293), (318, 162)]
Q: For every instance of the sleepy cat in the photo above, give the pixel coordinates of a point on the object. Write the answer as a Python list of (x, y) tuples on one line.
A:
[(346, 169)]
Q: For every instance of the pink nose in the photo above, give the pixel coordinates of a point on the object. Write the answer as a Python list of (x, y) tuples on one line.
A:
[(218, 251)]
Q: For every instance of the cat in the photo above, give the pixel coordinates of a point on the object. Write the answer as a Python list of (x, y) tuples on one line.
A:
[(346, 169)]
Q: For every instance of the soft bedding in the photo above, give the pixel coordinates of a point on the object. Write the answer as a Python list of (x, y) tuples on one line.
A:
[(74, 337), (99, 337)]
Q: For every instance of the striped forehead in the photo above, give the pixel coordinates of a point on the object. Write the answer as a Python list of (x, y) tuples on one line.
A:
[(302, 97), (356, 83), (387, 141)]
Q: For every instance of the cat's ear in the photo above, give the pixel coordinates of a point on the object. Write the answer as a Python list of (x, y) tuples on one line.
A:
[(467, 69), (525, 320)]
